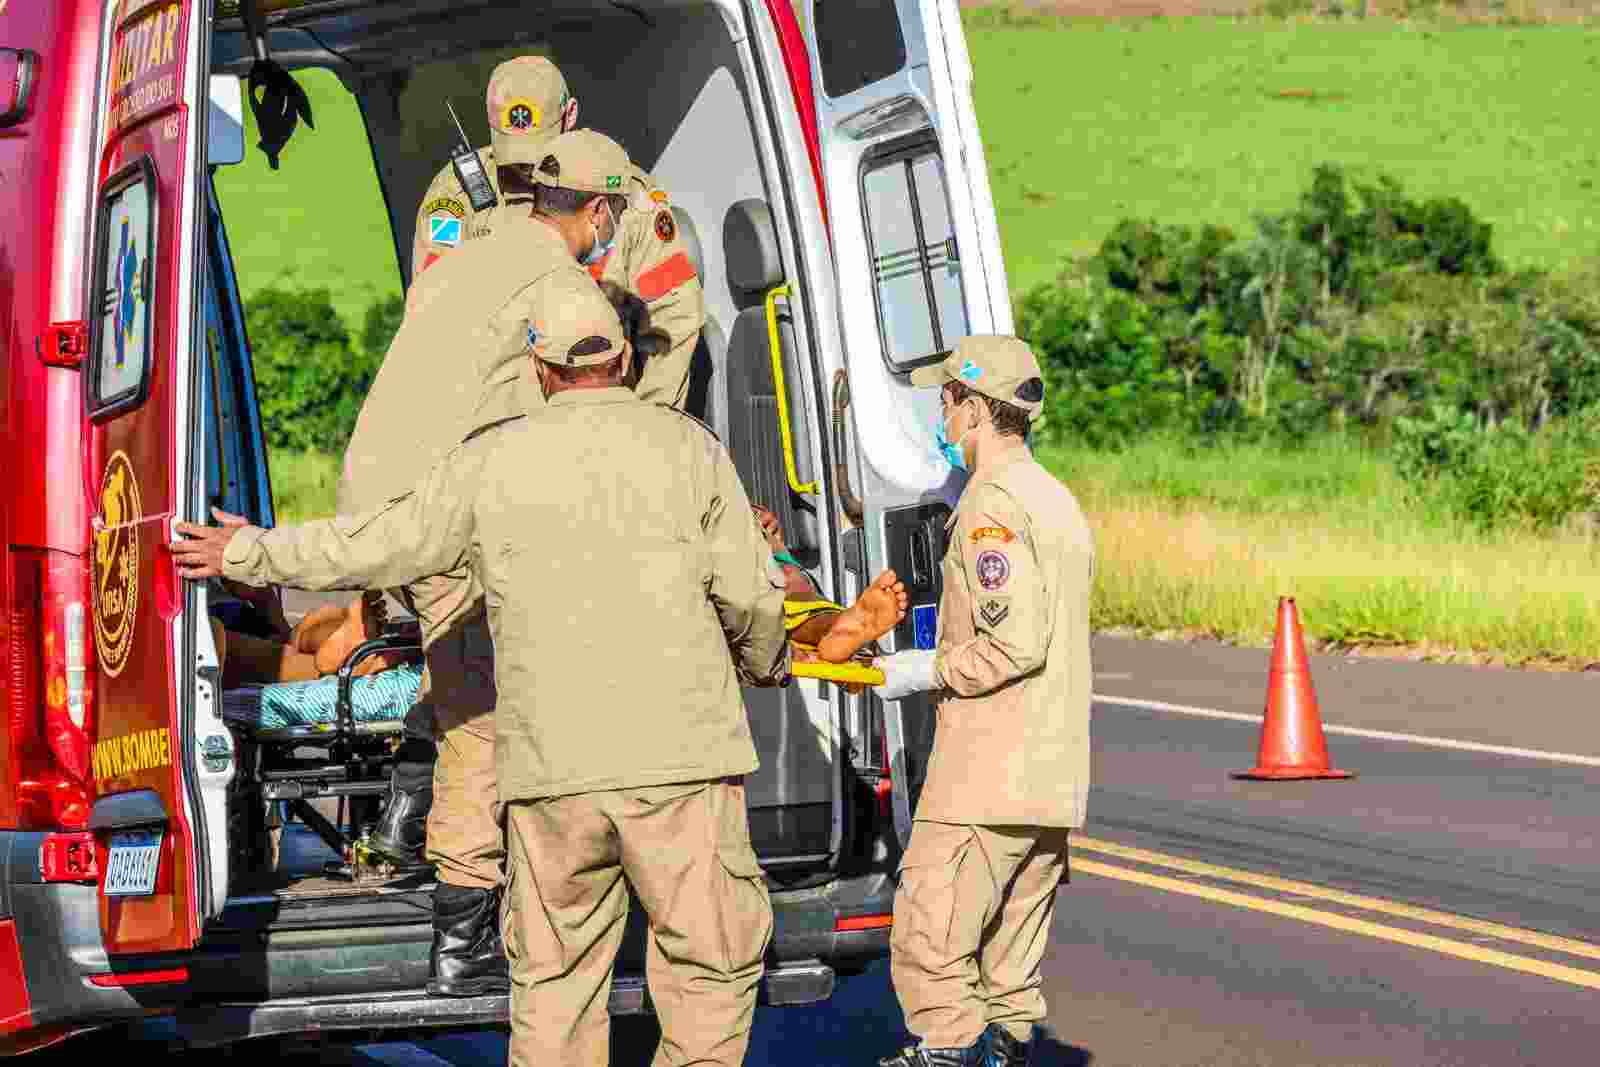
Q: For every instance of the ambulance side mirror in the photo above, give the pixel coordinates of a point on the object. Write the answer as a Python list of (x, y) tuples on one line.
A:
[(17, 68), (225, 127)]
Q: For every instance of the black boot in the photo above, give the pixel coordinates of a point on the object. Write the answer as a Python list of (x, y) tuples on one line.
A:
[(1003, 1050), (402, 829), (468, 957)]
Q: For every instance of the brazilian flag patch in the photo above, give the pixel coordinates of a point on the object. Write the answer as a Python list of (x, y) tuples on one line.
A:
[(613, 181)]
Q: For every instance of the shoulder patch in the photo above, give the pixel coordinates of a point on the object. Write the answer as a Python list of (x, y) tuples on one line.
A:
[(666, 228), (664, 277), (691, 418), (447, 205), (993, 533)]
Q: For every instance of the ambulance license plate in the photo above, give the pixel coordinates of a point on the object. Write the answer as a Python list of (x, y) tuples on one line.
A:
[(131, 868)]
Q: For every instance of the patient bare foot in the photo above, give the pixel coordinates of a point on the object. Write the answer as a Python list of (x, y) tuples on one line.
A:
[(364, 619), (877, 611)]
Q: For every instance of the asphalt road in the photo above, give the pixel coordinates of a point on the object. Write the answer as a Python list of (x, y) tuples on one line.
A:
[(1443, 907)]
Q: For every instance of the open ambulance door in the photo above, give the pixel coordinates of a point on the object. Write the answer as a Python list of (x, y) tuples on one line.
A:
[(917, 255), (161, 758)]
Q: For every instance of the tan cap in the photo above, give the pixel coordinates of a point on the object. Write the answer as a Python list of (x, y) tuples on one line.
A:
[(577, 326), (993, 365), (527, 97), (585, 160)]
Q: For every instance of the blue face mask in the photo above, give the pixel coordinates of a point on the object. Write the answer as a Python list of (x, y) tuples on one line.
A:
[(600, 250), (951, 450)]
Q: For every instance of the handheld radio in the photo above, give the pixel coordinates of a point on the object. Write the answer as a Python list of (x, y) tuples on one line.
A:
[(469, 169)]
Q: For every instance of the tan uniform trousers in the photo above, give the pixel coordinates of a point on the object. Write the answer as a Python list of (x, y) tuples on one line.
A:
[(456, 706), (685, 850), (971, 920)]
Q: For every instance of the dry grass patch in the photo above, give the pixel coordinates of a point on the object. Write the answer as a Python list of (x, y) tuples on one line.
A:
[(1361, 586)]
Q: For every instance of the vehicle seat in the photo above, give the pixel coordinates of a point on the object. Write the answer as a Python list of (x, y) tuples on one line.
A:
[(755, 267)]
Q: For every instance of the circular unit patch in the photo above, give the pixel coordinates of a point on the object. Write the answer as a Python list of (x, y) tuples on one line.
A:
[(666, 229), (993, 569)]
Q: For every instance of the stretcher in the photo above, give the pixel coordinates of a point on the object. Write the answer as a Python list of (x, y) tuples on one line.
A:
[(852, 673)]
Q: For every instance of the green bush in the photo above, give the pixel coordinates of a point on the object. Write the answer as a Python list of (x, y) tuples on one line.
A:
[(1508, 474), (382, 323), (1106, 376), (309, 378)]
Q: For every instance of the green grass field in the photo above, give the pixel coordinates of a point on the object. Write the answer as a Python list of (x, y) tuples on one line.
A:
[(1185, 120)]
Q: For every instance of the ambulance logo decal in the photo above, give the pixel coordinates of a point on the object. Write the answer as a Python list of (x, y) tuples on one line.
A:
[(129, 291), (116, 564)]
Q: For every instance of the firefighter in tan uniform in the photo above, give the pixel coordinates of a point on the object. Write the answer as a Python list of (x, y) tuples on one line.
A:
[(1009, 773), (630, 594), (455, 365), (528, 102)]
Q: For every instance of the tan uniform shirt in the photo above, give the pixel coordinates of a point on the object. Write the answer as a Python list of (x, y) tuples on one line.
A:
[(621, 565), (1012, 746), (650, 260), (465, 326)]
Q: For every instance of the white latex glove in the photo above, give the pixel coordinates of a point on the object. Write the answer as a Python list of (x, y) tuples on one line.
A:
[(907, 672)]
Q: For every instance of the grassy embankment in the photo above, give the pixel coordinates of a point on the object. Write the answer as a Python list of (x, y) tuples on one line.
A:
[(1203, 543), (1194, 120)]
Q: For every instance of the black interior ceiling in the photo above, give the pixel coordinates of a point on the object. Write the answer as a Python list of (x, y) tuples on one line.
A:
[(365, 36)]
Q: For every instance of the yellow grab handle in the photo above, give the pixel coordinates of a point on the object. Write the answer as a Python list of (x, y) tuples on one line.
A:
[(783, 393), (838, 672)]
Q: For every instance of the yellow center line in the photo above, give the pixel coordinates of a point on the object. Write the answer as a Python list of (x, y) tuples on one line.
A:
[(1442, 945), (1554, 943)]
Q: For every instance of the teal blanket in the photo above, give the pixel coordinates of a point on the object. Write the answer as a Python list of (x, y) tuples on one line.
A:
[(383, 696)]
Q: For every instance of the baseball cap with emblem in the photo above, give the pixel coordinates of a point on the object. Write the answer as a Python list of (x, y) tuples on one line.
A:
[(579, 326), (994, 365), (585, 160), (527, 97)]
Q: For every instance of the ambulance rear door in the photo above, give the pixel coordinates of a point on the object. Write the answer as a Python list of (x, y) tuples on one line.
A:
[(917, 257), (159, 812)]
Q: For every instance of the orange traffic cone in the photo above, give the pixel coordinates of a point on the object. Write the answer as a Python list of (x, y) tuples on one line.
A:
[(1292, 745)]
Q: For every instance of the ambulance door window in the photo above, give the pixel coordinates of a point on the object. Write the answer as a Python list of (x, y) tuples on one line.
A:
[(916, 268), (858, 42), (124, 280)]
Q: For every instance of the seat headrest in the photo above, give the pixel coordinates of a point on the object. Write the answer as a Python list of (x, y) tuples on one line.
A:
[(750, 245), (691, 242)]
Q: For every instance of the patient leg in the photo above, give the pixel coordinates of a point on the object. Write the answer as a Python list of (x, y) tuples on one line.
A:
[(840, 635), (252, 660), (319, 624), (877, 611), (362, 620)]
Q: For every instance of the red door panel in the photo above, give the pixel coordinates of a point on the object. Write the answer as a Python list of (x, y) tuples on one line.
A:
[(142, 286)]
